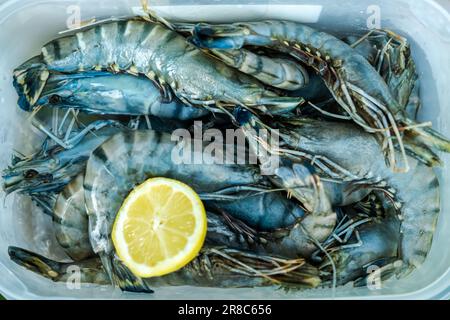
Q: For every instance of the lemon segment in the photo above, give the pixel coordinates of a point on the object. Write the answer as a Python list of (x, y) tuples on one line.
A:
[(160, 227)]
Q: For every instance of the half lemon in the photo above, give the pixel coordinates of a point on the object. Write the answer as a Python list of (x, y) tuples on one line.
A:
[(160, 227)]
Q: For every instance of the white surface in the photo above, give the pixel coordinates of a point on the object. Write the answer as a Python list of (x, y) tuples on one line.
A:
[(26, 25)]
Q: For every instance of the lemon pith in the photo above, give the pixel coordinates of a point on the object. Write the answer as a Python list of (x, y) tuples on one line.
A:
[(160, 227)]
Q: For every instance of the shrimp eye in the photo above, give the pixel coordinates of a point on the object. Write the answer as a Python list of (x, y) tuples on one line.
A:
[(54, 99), (47, 178), (30, 174)]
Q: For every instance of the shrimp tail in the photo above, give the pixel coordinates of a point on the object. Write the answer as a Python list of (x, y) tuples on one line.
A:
[(122, 277), (36, 263), (87, 271), (421, 152), (428, 136), (29, 81)]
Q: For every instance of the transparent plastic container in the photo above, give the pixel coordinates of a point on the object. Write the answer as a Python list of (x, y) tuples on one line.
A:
[(26, 25)]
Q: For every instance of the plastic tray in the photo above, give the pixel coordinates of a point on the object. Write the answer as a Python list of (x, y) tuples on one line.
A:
[(27, 24)]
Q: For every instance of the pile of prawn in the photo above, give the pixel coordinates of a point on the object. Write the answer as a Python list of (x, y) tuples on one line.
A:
[(354, 187)]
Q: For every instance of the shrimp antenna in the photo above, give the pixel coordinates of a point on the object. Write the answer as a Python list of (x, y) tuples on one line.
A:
[(371, 102), (333, 265), (243, 265), (364, 37), (333, 115), (152, 16)]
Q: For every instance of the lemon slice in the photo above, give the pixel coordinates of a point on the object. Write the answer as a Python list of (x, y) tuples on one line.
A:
[(160, 227)]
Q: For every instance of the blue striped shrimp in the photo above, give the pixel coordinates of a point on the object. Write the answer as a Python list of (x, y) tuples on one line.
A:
[(241, 267), (127, 159), (213, 267), (416, 193), (278, 72), (51, 170), (106, 93), (354, 83), (150, 49)]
